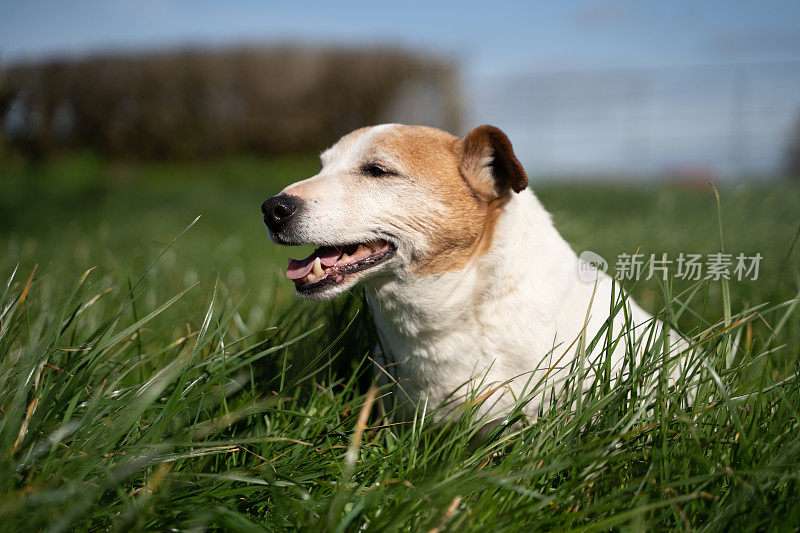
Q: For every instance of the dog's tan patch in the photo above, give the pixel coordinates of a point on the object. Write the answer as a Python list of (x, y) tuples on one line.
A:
[(462, 177)]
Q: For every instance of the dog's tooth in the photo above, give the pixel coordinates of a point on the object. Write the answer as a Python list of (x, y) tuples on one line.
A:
[(361, 249), (318, 272), (310, 278), (344, 257)]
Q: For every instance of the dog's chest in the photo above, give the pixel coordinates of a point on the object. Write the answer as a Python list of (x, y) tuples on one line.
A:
[(435, 342)]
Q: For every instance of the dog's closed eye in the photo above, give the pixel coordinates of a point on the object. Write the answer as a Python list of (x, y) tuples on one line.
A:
[(376, 170)]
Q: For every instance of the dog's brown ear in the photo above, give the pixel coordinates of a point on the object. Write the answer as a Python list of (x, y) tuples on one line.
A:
[(489, 164)]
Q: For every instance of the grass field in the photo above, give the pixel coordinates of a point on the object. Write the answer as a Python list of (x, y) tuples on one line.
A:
[(150, 384)]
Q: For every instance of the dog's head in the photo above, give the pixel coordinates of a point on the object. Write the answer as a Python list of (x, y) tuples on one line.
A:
[(395, 200)]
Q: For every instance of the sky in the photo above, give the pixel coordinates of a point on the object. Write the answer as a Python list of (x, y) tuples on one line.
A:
[(494, 43), (490, 37)]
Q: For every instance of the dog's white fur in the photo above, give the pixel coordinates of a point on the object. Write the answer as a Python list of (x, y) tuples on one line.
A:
[(515, 309)]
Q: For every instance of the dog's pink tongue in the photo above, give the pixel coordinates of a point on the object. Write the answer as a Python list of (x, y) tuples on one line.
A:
[(300, 268), (328, 255)]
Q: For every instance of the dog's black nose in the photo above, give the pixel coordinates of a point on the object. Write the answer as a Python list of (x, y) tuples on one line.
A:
[(278, 210)]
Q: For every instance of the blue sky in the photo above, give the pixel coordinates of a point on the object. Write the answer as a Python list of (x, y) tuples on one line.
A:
[(734, 122), (487, 36)]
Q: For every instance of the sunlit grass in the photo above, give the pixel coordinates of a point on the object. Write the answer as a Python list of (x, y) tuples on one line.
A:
[(138, 396)]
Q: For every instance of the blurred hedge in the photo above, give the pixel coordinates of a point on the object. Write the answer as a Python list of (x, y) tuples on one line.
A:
[(196, 102)]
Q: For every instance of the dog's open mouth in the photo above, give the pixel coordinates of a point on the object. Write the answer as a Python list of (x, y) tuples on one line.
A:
[(330, 265)]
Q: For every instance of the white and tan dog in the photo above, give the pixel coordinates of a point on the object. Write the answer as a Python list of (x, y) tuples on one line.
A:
[(465, 274)]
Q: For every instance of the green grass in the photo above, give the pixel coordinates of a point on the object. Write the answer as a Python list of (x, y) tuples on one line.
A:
[(182, 386)]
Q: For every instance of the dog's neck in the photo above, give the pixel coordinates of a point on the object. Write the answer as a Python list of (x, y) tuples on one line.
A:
[(416, 309), (421, 306)]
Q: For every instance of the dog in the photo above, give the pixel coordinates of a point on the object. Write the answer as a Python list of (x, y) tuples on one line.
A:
[(468, 281)]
